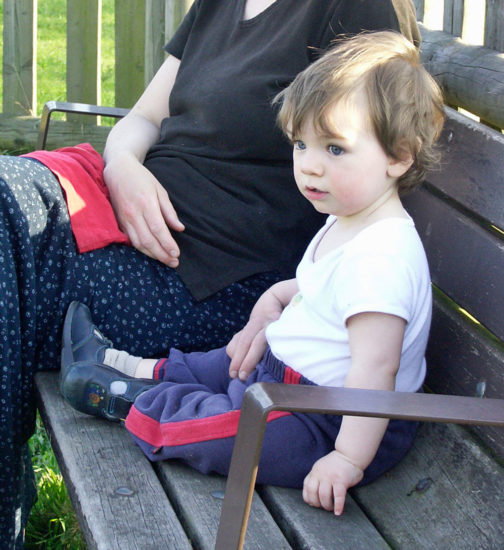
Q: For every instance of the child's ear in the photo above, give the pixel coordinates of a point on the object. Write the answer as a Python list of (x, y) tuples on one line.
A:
[(397, 167), (402, 162)]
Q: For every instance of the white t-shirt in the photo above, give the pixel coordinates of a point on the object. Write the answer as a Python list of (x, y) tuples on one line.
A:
[(382, 269)]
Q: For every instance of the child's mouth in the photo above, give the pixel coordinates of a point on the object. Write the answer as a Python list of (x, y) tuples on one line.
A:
[(314, 194)]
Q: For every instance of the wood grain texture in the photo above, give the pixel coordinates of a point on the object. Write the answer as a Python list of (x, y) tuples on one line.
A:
[(19, 57), (83, 75), (115, 492), (462, 360), (447, 493), (472, 77), (470, 173), (466, 260), (197, 499), (307, 528)]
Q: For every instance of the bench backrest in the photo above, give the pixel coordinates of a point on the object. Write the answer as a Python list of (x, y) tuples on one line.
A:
[(459, 213)]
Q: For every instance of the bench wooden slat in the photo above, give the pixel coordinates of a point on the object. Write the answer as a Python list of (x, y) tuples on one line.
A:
[(462, 501), (115, 492), (462, 360), (307, 527), (197, 499), (465, 260), (471, 170)]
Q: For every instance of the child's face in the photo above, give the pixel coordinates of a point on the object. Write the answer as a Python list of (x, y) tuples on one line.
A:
[(347, 173)]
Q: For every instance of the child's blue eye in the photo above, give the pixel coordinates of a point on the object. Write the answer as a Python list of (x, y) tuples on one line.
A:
[(298, 144), (335, 150)]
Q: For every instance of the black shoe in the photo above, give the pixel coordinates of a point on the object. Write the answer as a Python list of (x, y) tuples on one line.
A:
[(82, 341), (99, 390), (85, 382)]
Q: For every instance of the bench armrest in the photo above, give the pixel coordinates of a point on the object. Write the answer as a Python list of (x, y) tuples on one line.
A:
[(261, 399), (77, 108)]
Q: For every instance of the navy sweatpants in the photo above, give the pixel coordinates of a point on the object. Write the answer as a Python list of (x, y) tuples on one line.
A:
[(193, 416), (138, 302)]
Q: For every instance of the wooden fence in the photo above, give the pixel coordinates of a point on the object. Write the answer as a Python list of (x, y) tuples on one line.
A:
[(142, 27), (462, 45)]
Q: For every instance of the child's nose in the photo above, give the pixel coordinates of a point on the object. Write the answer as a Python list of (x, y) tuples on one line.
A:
[(311, 163)]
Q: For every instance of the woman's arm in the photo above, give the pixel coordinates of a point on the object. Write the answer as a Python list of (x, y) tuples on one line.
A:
[(142, 206), (375, 347), (247, 347)]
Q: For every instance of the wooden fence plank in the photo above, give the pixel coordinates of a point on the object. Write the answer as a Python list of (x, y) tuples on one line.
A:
[(494, 25), (20, 57), (453, 17), (154, 36), (419, 7), (175, 11), (129, 51), (83, 73)]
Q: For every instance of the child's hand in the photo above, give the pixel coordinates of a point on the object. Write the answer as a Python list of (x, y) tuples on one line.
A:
[(328, 481), (247, 347)]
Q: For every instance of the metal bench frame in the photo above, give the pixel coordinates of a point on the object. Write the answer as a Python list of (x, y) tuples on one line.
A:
[(261, 399)]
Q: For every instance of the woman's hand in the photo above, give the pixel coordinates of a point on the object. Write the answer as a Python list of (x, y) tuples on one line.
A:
[(328, 481), (247, 347), (143, 209), (141, 205)]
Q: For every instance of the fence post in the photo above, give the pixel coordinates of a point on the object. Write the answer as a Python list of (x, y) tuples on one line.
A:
[(494, 25), (139, 42), (129, 51), (83, 71), (175, 11), (453, 17), (20, 57), (162, 19), (154, 37), (419, 8)]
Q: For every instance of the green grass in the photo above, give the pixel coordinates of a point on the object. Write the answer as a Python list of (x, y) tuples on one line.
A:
[(52, 524)]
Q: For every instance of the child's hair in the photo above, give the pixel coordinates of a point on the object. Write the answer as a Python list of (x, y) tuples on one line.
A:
[(405, 104)]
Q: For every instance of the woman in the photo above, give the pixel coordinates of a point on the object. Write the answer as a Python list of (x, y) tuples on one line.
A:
[(200, 180)]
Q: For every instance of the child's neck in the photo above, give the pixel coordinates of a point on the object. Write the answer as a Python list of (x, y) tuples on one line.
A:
[(347, 227)]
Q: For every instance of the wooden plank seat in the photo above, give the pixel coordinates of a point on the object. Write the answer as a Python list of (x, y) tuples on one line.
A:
[(447, 493)]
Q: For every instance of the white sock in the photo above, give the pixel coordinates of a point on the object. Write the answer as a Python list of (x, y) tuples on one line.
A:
[(121, 361)]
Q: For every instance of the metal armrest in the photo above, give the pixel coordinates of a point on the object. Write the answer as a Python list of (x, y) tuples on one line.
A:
[(78, 108), (261, 399)]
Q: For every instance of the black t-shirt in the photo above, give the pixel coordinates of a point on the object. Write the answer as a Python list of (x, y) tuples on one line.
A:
[(226, 166)]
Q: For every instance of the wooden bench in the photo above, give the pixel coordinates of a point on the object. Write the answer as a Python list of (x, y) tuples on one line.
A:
[(449, 490)]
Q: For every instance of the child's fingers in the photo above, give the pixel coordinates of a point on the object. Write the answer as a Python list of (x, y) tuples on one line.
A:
[(339, 495), (246, 349), (310, 491), (325, 495)]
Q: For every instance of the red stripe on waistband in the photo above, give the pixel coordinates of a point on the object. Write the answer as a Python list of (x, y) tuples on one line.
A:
[(291, 376)]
